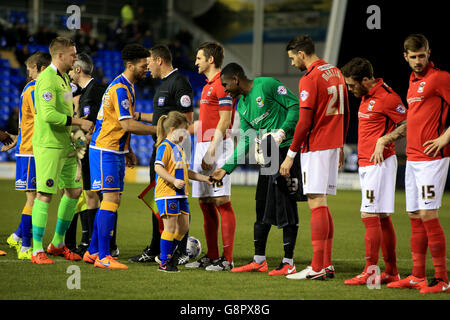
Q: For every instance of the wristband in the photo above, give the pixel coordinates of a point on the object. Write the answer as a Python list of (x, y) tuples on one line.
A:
[(139, 118)]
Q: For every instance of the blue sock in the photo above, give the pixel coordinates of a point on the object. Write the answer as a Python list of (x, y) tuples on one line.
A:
[(26, 230), (93, 244), (166, 245), (106, 219), (18, 231)]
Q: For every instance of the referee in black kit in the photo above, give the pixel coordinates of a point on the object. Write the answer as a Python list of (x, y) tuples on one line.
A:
[(90, 99), (174, 94)]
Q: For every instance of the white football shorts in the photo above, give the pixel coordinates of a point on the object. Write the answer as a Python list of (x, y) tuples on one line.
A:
[(320, 171), (218, 189), (378, 186), (425, 183)]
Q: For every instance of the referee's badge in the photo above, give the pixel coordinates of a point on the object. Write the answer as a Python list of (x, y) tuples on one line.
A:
[(185, 101), (161, 101)]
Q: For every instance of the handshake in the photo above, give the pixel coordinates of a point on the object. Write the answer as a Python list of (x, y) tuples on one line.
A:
[(78, 143)]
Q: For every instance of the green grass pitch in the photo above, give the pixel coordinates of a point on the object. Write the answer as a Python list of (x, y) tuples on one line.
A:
[(23, 280)]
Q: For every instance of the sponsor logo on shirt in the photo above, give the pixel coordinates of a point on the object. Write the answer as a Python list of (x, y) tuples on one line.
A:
[(47, 96), (400, 109), (304, 95), (421, 87), (257, 120), (371, 105), (185, 101), (161, 101), (363, 115), (282, 90), (260, 102), (415, 99)]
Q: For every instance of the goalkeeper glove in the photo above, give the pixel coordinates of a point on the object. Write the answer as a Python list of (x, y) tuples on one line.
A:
[(263, 143)]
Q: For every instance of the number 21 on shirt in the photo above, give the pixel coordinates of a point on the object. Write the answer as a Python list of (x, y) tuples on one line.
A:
[(332, 108)]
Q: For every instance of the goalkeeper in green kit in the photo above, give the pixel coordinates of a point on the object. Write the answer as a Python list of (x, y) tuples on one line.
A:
[(268, 111), (56, 165)]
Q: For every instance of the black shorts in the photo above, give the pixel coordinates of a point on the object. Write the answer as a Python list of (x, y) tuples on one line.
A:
[(281, 195)]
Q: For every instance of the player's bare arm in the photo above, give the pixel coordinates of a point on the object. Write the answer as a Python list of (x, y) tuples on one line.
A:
[(398, 133), (144, 117), (218, 174), (130, 159), (8, 140), (434, 146), (199, 177), (84, 124), (219, 134), (133, 126)]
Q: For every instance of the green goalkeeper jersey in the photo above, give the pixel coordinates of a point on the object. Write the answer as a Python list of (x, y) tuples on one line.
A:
[(268, 107), (54, 109)]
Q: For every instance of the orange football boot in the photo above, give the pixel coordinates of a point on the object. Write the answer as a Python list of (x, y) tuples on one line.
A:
[(252, 267), (109, 263), (41, 258)]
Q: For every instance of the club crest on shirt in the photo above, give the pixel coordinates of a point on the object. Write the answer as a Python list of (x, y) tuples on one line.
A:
[(260, 102), (282, 90), (125, 104), (421, 87), (209, 91), (400, 109), (47, 96), (371, 104), (49, 183), (173, 206), (304, 95)]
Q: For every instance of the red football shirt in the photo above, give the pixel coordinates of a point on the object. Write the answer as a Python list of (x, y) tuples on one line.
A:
[(428, 100), (213, 99), (379, 112), (323, 91)]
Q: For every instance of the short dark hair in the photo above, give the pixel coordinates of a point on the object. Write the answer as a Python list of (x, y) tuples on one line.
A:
[(40, 59), (85, 63), (301, 43), (233, 69), (357, 69), (133, 52), (415, 42), (213, 49), (161, 51)]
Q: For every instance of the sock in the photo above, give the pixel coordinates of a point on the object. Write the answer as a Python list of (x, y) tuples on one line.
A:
[(84, 219), (91, 213), (70, 239), (211, 228), (372, 239), (319, 235), (327, 255), (289, 238), (287, 260), (26, 223), (182, 246), (177, 238), (17, 235), (105, 225), (39, 222), (112, 242), (437, 245), (93, 244), (388, 244), (260, 234), (228, 229), (166, 246), (156, 236), (419, 244), (259, 258), (66, 210)]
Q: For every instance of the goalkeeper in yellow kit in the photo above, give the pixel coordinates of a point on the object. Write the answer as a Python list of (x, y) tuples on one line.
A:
[(56, 166)]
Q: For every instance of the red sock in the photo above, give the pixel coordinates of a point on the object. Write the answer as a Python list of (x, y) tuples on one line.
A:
[(319, 235), (211, 227), (228, 229), (372, 240), (437, 245), (419, 244), (388, 244), (329, 243)]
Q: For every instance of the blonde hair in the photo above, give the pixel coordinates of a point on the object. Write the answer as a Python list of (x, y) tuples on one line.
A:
[(59, 44), (174, 119)]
